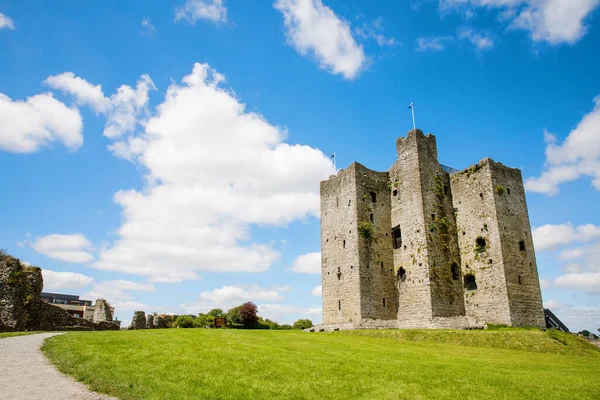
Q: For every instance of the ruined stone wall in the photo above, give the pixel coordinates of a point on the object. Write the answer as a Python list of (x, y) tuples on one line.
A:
[(102, 311), (480, 245), (339, 248), (12, 294), (138, 321), (518, 255), (21, 307), (377, 282)]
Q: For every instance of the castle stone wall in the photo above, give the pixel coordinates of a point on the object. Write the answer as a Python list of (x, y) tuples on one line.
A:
[(444, 251), (339, 244), (376, 264), (473, 195), (407, 217), (518, 255)]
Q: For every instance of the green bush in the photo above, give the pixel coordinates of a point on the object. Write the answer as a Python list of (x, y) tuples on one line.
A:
[(204, 321), (184, 321), (303, 324)]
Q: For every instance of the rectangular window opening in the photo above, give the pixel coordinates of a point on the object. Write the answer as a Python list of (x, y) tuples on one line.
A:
[(397, 237)]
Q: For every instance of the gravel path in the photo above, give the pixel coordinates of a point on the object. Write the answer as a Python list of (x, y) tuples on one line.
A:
[(26, 374)]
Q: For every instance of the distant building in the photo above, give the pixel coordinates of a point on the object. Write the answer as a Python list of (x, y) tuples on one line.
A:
[(72, 304)]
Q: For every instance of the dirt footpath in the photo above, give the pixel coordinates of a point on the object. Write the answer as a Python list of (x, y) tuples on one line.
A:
[(26, 374)]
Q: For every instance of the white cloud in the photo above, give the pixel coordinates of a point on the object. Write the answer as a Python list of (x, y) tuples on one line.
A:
[(313, 28), (317, 291), (548, 237), (434, 43), (74, 248), (570, 254), (6, 22), (227, 297), (130, 306), (577, 156), (587, 282), (54, 280), (193, 10), (550, 21), (128, 105), (124, 110), (308, 263), (212, 171), (374, 31), (117, 290), (84, 92), (26, 126), (554, 305), (482, 40), (147, 27)]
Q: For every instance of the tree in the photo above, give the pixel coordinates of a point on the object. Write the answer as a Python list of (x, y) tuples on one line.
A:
[(303, 324), (249, 314), (204, 321), (234, 320), (216, 313), (184, 321)]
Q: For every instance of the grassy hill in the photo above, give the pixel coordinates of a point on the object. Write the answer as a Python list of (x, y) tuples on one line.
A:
[(412, 364)]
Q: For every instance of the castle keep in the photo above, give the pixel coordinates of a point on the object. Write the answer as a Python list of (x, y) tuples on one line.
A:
[(424, 246)]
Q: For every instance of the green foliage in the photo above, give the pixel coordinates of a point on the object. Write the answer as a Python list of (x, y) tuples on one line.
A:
[(500, 189), (233, 318), (366, 230), (285, 327), (15, 278), (216, 313), (367, 364), (204, 321), (184, 321), (303, 324)]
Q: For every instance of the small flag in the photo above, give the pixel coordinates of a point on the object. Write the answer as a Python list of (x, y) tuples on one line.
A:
[(410, 105)]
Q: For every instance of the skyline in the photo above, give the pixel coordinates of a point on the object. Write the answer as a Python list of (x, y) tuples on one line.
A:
[(168, 156)]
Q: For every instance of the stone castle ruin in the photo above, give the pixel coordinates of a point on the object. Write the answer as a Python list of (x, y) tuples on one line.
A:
[(425, 246), (22, 308)]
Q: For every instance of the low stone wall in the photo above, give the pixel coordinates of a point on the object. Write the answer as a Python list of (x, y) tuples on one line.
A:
[(21, 307)]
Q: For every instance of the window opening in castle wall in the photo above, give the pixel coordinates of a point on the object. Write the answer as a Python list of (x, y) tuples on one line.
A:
[(470, 283), (397, 237), (373, 197)]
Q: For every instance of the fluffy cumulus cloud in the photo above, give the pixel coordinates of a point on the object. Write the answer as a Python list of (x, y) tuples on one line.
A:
[(213, 170), (6, 22), (314, 29), (54, 280), (586, 282), (74, 248), (230, 296), (84, 92), (26, 126), (577, 156), (123, 110), (308, 264), (317, 291), (549, 21), (117, 290), (548, 237), (193, 10)]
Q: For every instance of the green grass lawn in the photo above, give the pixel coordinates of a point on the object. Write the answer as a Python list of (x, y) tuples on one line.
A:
[(245, 364)]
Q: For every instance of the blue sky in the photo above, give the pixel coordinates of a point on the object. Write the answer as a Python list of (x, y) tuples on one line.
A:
[(166, 155)]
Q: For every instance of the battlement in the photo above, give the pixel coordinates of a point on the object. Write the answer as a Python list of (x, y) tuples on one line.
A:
[(420, 245)]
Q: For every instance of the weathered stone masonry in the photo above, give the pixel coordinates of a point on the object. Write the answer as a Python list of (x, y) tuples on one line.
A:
[(417, 246)]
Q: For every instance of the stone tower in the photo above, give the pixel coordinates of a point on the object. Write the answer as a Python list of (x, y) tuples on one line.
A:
[(419, 246)]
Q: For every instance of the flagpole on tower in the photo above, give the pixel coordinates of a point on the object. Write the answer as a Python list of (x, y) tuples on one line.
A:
[(333, 157), (412, 108)]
